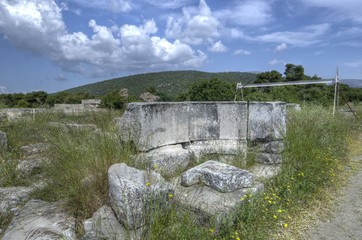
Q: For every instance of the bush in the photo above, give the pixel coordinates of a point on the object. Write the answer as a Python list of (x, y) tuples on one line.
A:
[(211, 90)]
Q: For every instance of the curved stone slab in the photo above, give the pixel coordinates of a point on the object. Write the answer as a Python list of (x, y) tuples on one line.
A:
[(41, 220), (219, 176)]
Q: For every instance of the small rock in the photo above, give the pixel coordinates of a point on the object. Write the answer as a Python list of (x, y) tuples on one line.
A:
[(104, 225), (30, 166), (12, 197), (149, 97), (33, 149), (219, 176)]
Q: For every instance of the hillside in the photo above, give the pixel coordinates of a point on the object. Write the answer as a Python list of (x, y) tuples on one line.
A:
[(170, 83)]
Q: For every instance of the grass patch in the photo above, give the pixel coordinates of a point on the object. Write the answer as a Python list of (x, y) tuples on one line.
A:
[(315, 155)]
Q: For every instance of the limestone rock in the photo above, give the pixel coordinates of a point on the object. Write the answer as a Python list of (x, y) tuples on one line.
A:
[(12, 197), (219, 176), (29, 166), (211, 203), (268, 158), (262, 171), (131, 191), (270, 147), (267, 121), (3, 141), (41, 220), (124, 93), (221, 147), (104, 225), (33, 149), (149, 97), (153, 125), (167, 160)]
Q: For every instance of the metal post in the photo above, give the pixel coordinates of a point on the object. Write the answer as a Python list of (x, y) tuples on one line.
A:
[(336, 91)]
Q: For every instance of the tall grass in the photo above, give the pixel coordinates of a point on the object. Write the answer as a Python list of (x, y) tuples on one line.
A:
[(316, 148)]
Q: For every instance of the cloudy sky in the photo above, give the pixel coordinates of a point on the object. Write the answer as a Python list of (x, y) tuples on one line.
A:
[(53, 45)]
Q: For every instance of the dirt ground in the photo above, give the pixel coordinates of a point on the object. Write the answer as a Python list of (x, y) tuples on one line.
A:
[(345, 220)]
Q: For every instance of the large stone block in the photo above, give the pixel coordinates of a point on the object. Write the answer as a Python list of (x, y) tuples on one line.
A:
[(168, 160), (131, 191), (219, 176), (153, 125), (41, 220), (221, 147), (266, 121)]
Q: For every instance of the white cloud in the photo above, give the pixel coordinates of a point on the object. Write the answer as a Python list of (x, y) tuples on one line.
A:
[(354, 64), (218, 47), (248, 13), (276, 61), (347, 9), (3, 89), (37, 26), (306, 36), (281, 47), (241, 52), (168, 4), (109, 5), (196, 26)]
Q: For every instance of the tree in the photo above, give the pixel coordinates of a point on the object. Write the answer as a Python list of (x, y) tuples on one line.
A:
[(211, 90), (266, 77), (294, 72), (113, 100)]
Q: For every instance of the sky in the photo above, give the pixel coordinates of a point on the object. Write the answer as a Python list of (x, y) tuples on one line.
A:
[(53, 45)]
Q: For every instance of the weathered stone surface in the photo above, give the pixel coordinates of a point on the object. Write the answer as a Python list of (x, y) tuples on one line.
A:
[(222, 147), (293, 106), (104, 225), (30, 166), (152, 125), (262, 171), (270, 147), (266, 121), (3, 141), (12, 197), (210, 202), (167, 160), (33, 149), (131, 191), (149, 97), (269, 158), (219, 176), (41, 220)]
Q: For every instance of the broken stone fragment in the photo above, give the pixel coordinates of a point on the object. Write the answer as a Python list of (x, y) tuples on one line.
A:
[(219, 176), (131, 191), (41, 220), (168, 160)]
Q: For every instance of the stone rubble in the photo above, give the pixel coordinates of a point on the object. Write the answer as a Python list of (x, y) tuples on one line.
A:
[(131, 190)]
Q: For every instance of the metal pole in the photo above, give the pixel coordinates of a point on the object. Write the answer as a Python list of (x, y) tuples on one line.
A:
[(336, 90)]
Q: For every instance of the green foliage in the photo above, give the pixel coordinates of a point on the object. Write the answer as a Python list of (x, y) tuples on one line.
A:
[(211, 90), (170, 83), (266, 77), (294, 72), (113, 100)]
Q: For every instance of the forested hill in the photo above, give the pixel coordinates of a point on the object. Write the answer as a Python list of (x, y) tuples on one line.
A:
[(170, 82)]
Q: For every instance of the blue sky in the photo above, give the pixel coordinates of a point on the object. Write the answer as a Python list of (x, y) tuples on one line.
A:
[(53, 45)]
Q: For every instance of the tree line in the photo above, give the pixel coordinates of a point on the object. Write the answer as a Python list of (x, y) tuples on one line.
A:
[(213, 89)]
